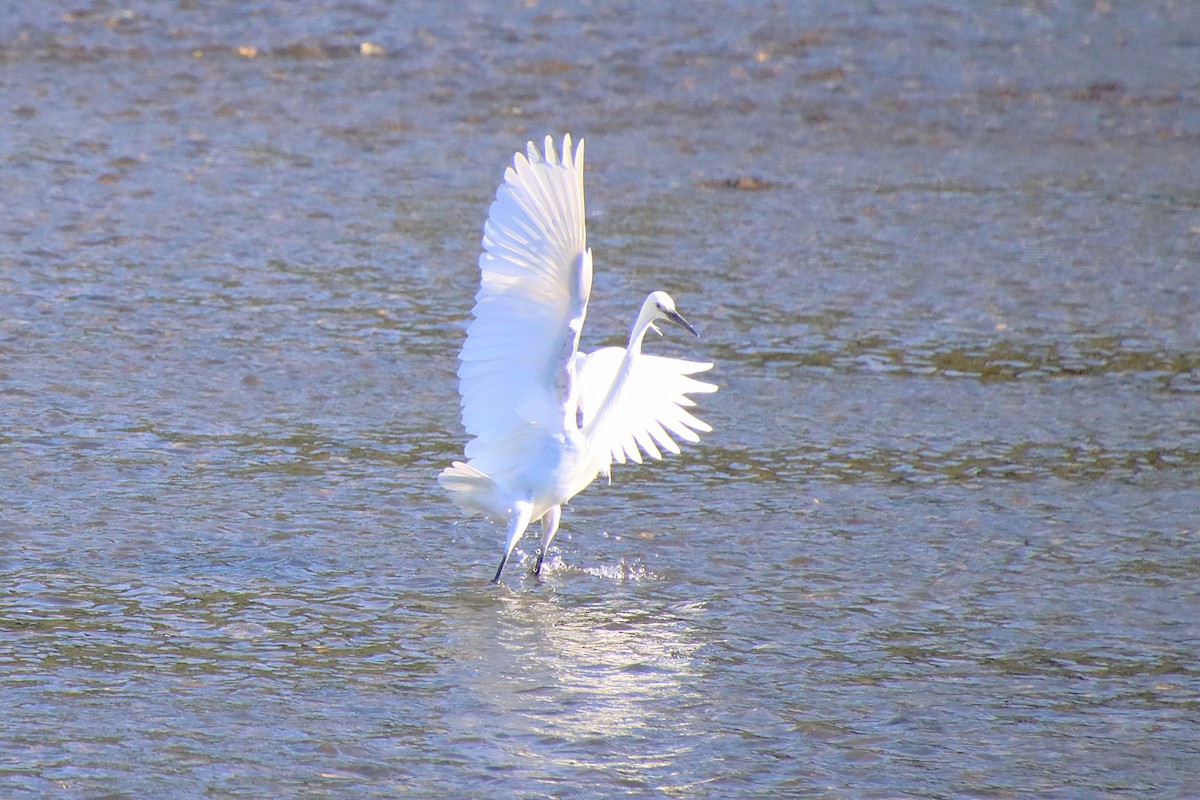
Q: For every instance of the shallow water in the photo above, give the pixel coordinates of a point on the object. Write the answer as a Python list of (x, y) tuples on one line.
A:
[(942, 543)]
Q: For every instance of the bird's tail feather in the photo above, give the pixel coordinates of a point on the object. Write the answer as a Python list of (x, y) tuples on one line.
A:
[(471, 490)]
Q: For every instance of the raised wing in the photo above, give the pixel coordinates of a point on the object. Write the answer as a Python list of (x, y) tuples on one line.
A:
[(517, 365), (652, 405)]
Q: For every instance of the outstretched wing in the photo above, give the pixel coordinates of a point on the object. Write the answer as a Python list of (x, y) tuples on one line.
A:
[(652, 406), (517, 367)]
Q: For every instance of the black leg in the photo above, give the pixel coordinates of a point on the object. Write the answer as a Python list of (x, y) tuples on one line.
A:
[(500, 569), (549, 528)]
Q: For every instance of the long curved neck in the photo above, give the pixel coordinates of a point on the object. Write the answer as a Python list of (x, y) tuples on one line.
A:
[(642, 324), (600, 420)]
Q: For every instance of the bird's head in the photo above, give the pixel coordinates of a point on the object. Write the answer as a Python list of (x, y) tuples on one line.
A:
[(660, 306)]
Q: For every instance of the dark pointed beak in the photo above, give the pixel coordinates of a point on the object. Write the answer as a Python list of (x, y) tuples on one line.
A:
[(679, 320)]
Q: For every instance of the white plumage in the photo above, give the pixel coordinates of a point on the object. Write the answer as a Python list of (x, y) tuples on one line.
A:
[(545, 419)]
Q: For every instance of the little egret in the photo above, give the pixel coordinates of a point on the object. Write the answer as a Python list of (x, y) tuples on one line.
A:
[(546, 419)]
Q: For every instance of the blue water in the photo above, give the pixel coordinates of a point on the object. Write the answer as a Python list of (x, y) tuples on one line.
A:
[(941, 543)]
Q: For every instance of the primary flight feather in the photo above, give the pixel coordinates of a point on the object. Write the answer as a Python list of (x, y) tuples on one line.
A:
[(545, 419)]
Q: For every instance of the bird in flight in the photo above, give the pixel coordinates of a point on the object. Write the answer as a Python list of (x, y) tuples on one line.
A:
[(546, 419)]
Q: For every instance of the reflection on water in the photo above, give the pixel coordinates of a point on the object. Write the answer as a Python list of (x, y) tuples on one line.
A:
[(578, 684)]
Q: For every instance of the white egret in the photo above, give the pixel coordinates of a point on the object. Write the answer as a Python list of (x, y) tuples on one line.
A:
[(546, 419)]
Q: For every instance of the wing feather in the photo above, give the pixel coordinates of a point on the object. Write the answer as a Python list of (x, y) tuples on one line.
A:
[(650, 412), (517, 364)]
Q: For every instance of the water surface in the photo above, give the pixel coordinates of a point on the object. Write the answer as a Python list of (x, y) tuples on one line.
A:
[(942, 542)]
